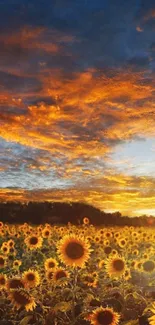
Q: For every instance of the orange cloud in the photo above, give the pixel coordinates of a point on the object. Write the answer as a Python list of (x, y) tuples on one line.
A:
[(90, 113), (149, 15), (124, 194), (28, 38)]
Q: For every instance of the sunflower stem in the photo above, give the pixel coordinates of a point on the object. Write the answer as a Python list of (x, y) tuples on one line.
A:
[(75, 273), (123, 287)]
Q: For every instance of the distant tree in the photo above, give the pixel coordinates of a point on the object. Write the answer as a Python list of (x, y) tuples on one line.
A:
[(63, 212)]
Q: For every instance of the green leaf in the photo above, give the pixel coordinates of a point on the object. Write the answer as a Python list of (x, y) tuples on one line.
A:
[(62, 306), (25, 320), (132, 322)]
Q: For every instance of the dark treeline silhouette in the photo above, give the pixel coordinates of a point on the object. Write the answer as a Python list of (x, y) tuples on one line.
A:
[(62, 213)]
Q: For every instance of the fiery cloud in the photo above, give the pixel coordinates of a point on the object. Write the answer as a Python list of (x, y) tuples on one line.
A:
[(106, 107), (130, 195), (71, 95)]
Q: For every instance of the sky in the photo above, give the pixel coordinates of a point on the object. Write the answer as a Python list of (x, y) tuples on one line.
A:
[(77, 109)]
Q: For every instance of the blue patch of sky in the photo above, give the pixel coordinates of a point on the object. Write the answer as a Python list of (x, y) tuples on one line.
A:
[(135, 158)]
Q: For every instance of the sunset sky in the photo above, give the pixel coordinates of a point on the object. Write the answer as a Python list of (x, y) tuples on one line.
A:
[(77, 109)]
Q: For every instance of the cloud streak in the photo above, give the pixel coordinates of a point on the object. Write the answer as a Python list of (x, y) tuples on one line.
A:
[(130, 195)]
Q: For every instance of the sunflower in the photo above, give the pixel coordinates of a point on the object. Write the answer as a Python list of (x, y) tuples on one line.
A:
[(3, 280), (50, 263), (122, 242), (95, 275), (40, 228), (89, 238), (60, 275), (21, 298), (152, 318), (101, 264), (135, 235), (5, 249), (138, 265), (97, 239), (106, 242), (133, 264), (1, 224), (11, 243), (12, 231), (114, 252), (49, 275), (117, 234), (135, 252), (12, 251), (153, 307), (104, 316), (145, 256), (17, 263), (5, 243), (90, 280), (33, 241), (127, 274), (108, 234), (148, 266), (48, 226), (31, 278), (14, 283), (107, 250), (2, 232), (46, 232), (74, 251), (115, 266)]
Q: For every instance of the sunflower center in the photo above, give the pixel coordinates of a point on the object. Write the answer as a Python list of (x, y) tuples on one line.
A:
[(105, 317), (11, 257), (89, 279), (51, 264), (74, 250), (15, 283), (2, 281), (107, 250), (60, 274), (1, 261), (20, 298), (118, 265), (148, 266), (33, 240), (50, 275), (30, 277)]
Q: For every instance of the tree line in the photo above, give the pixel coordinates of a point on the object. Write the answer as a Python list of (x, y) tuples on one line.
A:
[(62, 213)]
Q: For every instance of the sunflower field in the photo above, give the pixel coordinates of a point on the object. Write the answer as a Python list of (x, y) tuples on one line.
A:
[(76, 275)]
